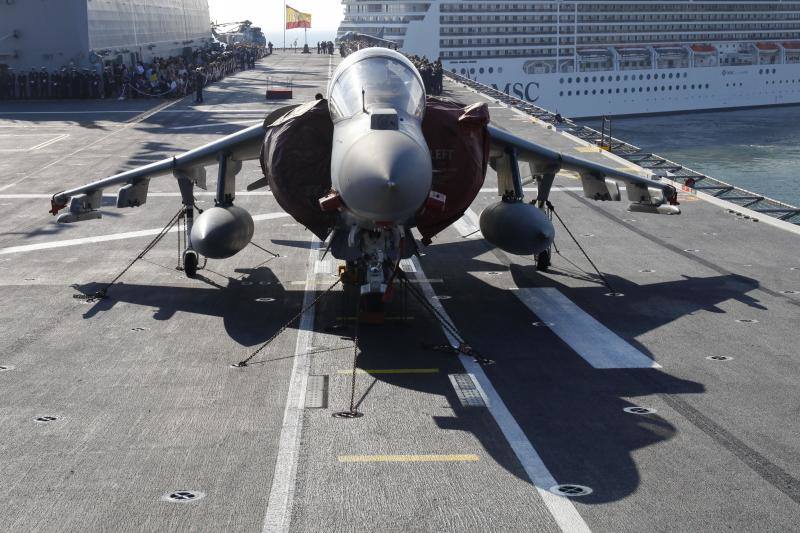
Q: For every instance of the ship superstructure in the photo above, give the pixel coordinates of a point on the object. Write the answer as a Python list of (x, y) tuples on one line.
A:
[(54, 34), (587, 58)]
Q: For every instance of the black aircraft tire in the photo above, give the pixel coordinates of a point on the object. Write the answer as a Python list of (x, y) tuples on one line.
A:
[(543, 261), (190, 263)]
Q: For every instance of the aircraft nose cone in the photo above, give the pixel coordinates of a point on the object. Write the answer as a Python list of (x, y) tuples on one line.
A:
[(385, 176)]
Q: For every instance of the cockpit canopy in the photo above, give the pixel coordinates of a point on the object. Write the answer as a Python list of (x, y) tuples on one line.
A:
[(387, 79)]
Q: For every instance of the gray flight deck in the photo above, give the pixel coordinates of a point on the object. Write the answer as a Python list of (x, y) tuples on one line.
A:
[(147, 402)]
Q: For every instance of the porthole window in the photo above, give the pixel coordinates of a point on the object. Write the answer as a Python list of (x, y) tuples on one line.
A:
[(569, 93), (559, 81), (640, 89), (625, 90), (648, 89), (773, 71), (663, 76), (585, 92), (761, 71), (641, 77), (472, 71), (626, 77), (480, 70), (594, 79), (617, 90), (617, 78), (577, 80), (569, 80), (594, 91), (670, 75), (561, 93), (601, 91), (648, 76), (463, 71), (491, 70), (453, 71), (706, 86), (692, 86)]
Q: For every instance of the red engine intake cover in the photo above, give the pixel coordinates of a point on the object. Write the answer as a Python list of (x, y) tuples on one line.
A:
[(459, 145)]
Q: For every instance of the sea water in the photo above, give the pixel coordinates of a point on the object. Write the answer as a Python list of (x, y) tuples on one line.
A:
[(756, 149)]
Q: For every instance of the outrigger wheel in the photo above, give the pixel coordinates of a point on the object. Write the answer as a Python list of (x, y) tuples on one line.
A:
[(543, 260), (190, 263)]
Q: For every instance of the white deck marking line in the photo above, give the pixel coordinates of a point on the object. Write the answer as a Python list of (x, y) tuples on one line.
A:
[(598, 345), (216, 124), (48, 142), (281, 496), (128, 124), (106, 238), (468, 226), (86, 112), (560, 507), (51, 141), (39, 196)]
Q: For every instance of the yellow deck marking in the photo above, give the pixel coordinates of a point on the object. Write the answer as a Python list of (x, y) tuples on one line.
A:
[(390, 371), (408, 458), (587, 149)]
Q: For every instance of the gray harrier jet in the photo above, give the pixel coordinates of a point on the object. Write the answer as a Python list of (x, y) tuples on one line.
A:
[(363, 167)]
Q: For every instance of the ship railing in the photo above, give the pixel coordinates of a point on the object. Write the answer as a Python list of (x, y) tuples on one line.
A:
[(658, 165)]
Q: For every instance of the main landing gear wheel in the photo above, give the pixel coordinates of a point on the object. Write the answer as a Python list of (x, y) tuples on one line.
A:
[(543, 261), (190, 263)]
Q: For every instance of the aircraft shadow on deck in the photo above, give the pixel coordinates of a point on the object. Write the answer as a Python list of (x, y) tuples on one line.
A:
[(571, 412), (247, 320)]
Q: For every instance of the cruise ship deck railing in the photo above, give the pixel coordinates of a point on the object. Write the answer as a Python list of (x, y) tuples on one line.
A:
[(660, 166)]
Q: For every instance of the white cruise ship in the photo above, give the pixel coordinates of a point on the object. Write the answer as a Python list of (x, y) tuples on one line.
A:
[(585, 58)]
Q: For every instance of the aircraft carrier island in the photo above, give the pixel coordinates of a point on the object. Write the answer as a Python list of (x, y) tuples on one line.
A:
[(645, 381)]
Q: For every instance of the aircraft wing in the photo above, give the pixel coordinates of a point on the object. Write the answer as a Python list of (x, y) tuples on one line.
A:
[(601, 179), (189, 167)]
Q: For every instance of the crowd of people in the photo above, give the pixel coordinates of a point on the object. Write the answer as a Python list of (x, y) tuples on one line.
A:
[(172, 77), (325, 47), (356, 43), (431, 72)]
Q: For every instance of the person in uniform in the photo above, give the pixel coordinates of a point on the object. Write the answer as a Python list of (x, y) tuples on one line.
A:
[(11, 83), (55, 84), (22, 85), (75, 84), (4, 84), (438, 74), (94, 85), (44, 83), (33, 83), (199, 81)]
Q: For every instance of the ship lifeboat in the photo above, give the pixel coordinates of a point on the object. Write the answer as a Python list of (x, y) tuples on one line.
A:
[(703, 49), (632, 51), (594, 55), (671, 51), (792, 45), (767, 48)]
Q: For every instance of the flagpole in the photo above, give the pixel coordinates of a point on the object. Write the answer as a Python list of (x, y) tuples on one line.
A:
[(284, 25)]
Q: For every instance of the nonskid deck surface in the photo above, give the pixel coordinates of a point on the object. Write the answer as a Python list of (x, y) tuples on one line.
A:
[(147, 403)]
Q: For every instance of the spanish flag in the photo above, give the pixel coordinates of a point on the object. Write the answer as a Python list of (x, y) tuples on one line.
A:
[(297, 19)]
